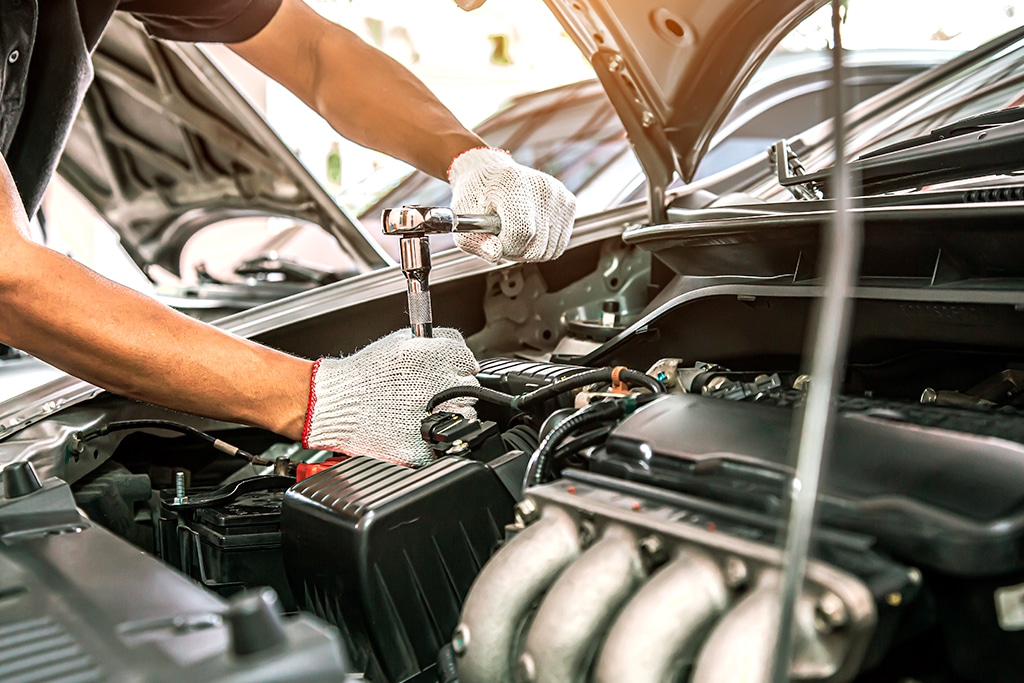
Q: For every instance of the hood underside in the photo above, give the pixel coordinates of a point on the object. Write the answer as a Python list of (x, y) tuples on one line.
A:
[(674, 68), (164, 144)]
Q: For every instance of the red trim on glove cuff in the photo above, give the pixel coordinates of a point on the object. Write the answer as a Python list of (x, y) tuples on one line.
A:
[(473, 149), (311, 404)]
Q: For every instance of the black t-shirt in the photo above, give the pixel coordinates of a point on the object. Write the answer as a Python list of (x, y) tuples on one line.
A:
[(45, 47)]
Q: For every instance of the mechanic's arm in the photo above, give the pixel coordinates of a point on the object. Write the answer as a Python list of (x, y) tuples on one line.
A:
[(65, 314), (363, 93), (373, 100)]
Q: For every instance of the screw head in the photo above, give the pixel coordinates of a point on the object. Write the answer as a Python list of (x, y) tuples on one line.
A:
[(736, 573), (526, 512), (648, 119), (830, 613), (460, 640), (615, 63), (914, 575)]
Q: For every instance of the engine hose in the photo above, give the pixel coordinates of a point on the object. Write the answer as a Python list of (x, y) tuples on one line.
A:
[(529, 400), (471, 391), (588, 415), (578, 443), (521, 438), (538, 396)]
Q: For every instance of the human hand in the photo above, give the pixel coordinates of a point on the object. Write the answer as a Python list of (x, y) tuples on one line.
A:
[(536, 210), (372, 402)]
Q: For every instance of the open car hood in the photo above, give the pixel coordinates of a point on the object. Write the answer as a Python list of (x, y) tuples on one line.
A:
[(164, 144), (674, 68)]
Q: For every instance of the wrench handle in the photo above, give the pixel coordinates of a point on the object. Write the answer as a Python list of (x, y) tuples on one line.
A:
[(483, 222)]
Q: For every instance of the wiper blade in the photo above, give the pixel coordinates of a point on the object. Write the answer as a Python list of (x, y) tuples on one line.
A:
[(970, 124), (983, 148)]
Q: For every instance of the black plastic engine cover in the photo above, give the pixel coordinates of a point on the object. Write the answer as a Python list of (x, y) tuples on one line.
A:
[(934, 497), (80, 604), (388, 553)]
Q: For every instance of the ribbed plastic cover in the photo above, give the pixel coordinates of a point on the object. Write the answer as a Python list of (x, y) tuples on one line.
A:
[(388, 553), (41, 651)]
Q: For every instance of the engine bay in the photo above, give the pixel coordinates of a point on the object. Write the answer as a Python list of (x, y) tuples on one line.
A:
[(496, 563), (615, 511)]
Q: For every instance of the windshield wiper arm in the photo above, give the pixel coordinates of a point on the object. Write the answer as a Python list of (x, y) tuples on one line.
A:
[(980, 147), (970, 124)]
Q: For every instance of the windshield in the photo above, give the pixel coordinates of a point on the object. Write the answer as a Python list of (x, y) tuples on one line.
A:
[(572, 133), (992, 84), (993, 80)]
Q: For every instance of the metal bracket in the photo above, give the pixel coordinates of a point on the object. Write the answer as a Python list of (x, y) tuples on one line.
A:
[(791, 172)]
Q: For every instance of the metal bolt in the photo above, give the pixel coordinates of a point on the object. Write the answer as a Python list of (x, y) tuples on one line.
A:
[(179, 487), (802, 383), (527, 512), (736, 573), (831, 612), (526, 669), (714, 384), (615, 63), (77, 446), (648, 119), (460, 640), (281, 465), (653, 551), (894, 599), (929, 395), (458, 446), (914, 575)]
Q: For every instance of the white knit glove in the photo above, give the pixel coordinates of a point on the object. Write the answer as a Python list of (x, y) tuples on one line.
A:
[(372, 402), (536, 210)]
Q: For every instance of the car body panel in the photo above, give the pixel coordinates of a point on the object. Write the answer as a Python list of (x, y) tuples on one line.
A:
[(674, 70), (165, 145)]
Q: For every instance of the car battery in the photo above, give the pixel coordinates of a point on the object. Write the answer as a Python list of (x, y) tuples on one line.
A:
[(232, 546)]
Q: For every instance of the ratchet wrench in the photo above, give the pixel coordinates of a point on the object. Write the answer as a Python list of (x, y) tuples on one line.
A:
[(414, 225)]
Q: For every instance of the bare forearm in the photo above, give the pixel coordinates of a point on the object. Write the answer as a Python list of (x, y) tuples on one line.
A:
[(368, 97), (118, 339), (402, 118)]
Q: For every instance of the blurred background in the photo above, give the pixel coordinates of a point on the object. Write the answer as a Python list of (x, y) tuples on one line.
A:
[(475, 61), (481, 64)]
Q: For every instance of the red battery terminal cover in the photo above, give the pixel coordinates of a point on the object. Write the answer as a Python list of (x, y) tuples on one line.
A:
[(304, 470)]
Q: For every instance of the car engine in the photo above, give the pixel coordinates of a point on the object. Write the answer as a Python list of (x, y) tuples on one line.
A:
[(608, 525), (616, 511)]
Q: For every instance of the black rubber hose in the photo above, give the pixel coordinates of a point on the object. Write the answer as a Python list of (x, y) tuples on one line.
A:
[(592, 414), (578, 443), (171, 426), (471, 391), (521, 438), (588, 415), (582, 379)]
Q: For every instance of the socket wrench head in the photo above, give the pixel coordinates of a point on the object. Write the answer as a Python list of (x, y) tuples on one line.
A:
[(413, 224), (435, 220), (417, 220)]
